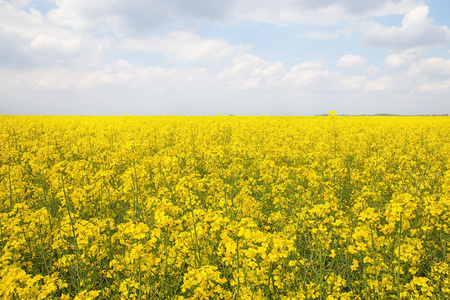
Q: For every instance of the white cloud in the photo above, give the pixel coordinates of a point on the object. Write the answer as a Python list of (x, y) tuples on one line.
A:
[(33, 41), (18, 22), (248, 71), (98, 57), (121, 76), (416, 30), (385, 8), (405, 58), (378, 85), (324, 35), (352, 82), (184, 46), (431, 76), (351, 61), (144, 16), (321, 35), (55, 45), (317, 12), (38, 80), (425, 77), (311, 75), (434, 87), (137, 15), (372, 70), (20, 3), (248, 85), (286, 12), (152, 79), (435, 67)]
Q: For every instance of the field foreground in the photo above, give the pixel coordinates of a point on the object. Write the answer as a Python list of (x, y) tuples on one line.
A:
[(224, 207)]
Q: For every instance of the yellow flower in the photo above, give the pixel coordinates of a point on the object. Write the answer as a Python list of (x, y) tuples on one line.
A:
[(223, 207), (355, 265), (352, 249)]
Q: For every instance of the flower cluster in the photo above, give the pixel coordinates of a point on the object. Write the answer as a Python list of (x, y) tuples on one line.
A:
[(224, 207)]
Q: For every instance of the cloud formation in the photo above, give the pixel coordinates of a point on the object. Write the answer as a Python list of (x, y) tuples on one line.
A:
[(405, 58), (351, 61), (416, 30), (140, 15), (209, 57), (317, 12), (184, 46), (145, 16)]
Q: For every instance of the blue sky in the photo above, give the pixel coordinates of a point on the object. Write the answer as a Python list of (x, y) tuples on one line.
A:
[(241, 57)]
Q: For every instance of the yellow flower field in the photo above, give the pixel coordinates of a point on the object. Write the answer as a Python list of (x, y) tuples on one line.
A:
[(224, 207)]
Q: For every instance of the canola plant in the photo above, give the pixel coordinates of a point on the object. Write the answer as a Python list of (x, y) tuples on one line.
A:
[(224, 207)]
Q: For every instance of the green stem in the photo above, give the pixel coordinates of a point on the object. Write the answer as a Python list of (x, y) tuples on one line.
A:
[(165, 264), (74, 236), (335, 137), (10, 185), (136, 193), (399, 258), (237, 268), (197, 247), (140, 278), (42, 250), (374, 256)]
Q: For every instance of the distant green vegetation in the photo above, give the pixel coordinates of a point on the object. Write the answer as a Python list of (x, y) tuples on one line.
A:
[(386, 115)]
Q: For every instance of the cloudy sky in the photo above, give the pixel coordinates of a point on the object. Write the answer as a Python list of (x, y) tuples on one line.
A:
[(241, 57)]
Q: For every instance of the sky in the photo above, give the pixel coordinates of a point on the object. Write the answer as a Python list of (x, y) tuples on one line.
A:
[(239, 57)]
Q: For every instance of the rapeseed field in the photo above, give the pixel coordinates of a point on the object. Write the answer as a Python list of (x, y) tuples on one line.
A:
[(224, 207)]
